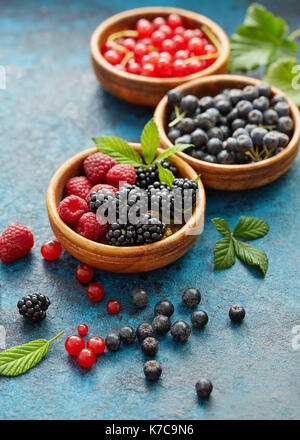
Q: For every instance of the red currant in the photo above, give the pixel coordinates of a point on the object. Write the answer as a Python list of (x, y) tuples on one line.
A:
[(145, 59), (188, 34), (174, 20), (169, 46), (158, 22), (179, 42), (84, 273), (133, 67), (145, 41), (195, 66), (120, 67), (210, 48), (179, 31), (113, 57), (51, 250), (113, 307), (198, 33), (140, 50), (182, 54), (148, 69), (166, 30), (95, 292), (179, 68), (158, 37), (164, 67), (129, 43), (166, 55), (86, 358), (144, 28), (196, 46), (74, 344), (83, 329), (96, 344), (153, 57)]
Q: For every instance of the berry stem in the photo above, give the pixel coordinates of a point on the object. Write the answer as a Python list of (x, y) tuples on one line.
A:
[(56, 337), (207, 56), (178, 118), (127, 58), (212, 37), (295, 34), (127, 33)]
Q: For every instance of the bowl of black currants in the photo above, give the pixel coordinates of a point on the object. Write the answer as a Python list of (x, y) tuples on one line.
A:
[(240, 132)]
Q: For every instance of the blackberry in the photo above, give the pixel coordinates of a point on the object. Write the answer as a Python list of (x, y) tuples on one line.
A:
[(204, 388), (34, 307), (237, 313), (127, 335), (152, 370), (121, 235), (164, 307), (149, 346), (144, 331), (131, 201), (191, 297), (180, 331), (161, 324), (161, 199), (146, 177), (140, 297), (187, 190), (199, 319), (97, 199), (149, 229), (113, 342)]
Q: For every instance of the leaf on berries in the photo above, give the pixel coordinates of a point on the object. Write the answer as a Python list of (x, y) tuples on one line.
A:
[(149, 141), (221, 226), (224, 256), (17, 360), (250, 228), (119, 149), (165, 176), (171, 151), (251, 255), (198, 178)]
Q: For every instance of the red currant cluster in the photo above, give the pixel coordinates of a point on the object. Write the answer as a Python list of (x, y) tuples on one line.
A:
[(85, 352), (162, 48)]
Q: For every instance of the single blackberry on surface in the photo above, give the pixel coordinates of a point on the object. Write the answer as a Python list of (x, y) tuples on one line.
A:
[(33, 307), (121, 235), (149, 229)]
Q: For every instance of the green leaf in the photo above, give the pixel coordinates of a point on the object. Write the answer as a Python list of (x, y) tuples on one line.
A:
[(149, 141), (221, 226), (285, 74), (250, 228), (171, 151), (17, 360), (259, 41), (165, 176), (224, 254), (251, 255), (119, 149)]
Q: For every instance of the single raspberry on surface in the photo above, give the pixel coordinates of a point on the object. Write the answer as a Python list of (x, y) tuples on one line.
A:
[(89, 227), (15, 242), (100, 187), (96, 167), (78, 186), (71, 209), (121, 173)]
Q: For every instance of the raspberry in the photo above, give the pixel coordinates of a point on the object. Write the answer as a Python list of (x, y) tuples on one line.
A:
[(96, 167), (71, 209), (121, 173), (15, 242), (89, 227), (79, 186), (100, 187)]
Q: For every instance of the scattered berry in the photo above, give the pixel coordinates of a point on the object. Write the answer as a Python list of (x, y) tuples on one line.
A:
[(204, 388), (120, 174), (140, 297), (164, 307), (95, 292), (96, 167), (34, 307), (113, 307), (71, 209), (89, 227), (113, 342), (83, 329), (84, 273), (96, 344), (152, 370), (161, 324), (199, 318), (191, 297), (180, 331), (144, 331), (78, 186), (237, 313), (16, 241), (86, 358), (127, 335), (74, 344), (149, 346), (51, 250)]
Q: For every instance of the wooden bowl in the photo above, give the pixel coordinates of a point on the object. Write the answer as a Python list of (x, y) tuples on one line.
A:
[(143, 90), (232, 177), (118, 259)]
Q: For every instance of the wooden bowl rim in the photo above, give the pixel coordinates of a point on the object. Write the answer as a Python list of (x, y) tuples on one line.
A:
[(108, 250), (216, 29), (162, 106)]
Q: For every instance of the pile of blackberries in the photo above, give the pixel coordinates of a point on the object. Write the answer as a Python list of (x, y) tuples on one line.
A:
[(237, 126)]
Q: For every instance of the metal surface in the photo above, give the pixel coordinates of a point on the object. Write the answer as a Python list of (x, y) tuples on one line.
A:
[(51, 107)]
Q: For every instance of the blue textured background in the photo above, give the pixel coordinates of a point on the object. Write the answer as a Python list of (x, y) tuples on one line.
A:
[(50, 109)]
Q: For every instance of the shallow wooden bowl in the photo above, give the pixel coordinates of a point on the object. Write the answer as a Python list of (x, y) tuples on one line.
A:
[(232, 177), (138, 89), (117, 259)]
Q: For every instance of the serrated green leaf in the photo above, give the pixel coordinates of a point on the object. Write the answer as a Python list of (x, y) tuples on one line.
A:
[(172, 150), (221, 226), (224, 256), (149, 141), (260, 40), (119, 149), (285, 75), (18, 360), (165, 176), (250, 228), (251, 255)]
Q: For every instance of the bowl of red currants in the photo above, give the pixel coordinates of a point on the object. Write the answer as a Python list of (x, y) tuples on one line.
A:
[(240, 132), (140, 54)]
